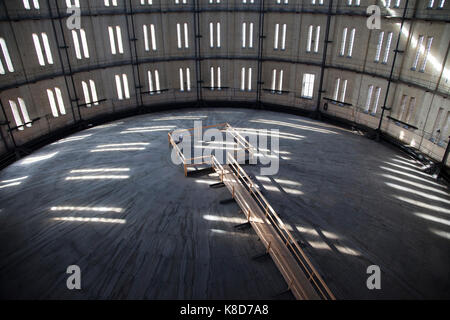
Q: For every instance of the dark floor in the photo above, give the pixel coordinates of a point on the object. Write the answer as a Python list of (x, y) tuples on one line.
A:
[(144, 231)]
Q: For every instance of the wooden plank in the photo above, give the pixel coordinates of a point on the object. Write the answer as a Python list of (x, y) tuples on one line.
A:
[(295, 278)]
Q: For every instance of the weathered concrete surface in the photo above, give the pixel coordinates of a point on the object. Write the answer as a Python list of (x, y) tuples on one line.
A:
[(352, 202)]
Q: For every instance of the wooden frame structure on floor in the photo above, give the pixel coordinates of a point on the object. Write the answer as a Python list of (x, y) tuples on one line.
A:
[(223, 127), (302, 278)]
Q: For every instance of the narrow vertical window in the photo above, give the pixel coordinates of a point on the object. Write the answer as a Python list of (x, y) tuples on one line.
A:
[(419, 50), (76, 44), (351, 42), (112, 41), (250, 35), (387, 48), (244, 31), (441, 4), (37, 46), (275, 44), (51, 99), (437, 126), (23, 109), (283, 38), (344, 39), (249, 79), (146, 44), (6, 57), (218, 34), (153, 36), (84, 43), (377, 99), (119, 39), (316, 43), (309, 43), (402, 107), (344, 89), (274, 77), (369, 98), (150, 83), (308, 85), (411, 107), (212, 78), (48, 52), (87, 98), (125, 86), (16, 114), (181, 80), (179, 35), (188, 79), (186, 41), (336, 89), (93, 92), (219, 79), (158, 87), (60, 100), (211, 35), (119, 87), (280, 82), (427, 52), (379, 46)]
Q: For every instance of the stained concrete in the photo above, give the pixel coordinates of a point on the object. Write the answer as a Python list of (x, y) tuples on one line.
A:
[(350, 201)]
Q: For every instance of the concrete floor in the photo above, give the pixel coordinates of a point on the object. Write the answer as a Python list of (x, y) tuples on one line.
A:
[(352, 203)]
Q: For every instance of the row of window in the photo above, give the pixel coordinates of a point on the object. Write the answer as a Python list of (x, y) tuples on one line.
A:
[(29, 4), (406, 111), (57, 106), (384, 42), (307, 83), (372, 100), (440, 4)]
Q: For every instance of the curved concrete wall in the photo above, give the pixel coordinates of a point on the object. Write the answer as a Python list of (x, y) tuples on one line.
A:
[(427, 113)]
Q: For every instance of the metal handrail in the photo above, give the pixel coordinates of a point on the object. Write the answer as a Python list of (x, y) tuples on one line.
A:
[(290, 241)]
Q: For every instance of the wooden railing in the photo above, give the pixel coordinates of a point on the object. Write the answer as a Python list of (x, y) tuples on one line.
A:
[(240, 140), (191, 162), (313, 276), (224, 125)]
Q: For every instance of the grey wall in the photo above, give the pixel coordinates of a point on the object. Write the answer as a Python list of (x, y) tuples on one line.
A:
[(30, 81)]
